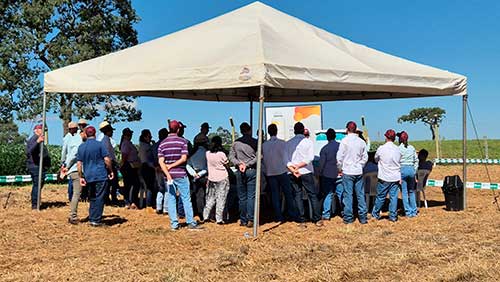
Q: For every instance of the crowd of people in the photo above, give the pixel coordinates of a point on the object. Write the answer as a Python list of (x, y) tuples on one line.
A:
[(184, 179)]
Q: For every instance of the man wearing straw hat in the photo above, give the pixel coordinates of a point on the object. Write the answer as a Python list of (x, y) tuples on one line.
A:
[(71, 141)]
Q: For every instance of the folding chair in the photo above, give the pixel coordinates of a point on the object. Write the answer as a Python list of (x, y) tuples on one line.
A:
[(370, 181), (422, 175)]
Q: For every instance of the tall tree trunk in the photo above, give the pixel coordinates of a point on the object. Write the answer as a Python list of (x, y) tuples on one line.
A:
[(66, 106), (432, 131)]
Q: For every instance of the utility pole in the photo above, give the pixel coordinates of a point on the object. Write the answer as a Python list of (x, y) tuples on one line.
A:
[(436, 133)]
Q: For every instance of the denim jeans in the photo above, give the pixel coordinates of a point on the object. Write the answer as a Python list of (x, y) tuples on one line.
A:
[(353, 184), (149, 175), (34, 172), (306, 182), (181, 184), (97, 192), (278, 184), (408, 190), (161, 196), (384, 188), (329, 188), (246, 194)]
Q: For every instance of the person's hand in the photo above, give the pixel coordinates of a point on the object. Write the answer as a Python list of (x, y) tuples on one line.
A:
[(291, 168), (400, 182), (40, 139), (111, 175), (242, 167), (416, 180), (83, 182), (296, 173), (169, 177), (168, 167)]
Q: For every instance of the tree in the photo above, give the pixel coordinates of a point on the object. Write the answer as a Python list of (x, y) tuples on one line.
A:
[(224, 134), (430, 116), (39, 36), (9, 134)]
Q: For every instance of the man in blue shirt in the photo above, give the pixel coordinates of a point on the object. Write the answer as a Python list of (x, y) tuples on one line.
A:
[(94, 169), (329, 173)]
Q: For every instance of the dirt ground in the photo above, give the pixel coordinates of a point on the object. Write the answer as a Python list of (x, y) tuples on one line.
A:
[(138, 245)]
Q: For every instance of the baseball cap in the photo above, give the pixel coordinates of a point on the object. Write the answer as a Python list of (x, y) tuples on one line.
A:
[(205, 125), (127, 131), (182, 124), (72, 124), (38, 126), (351, 126), (90, 131), (82, 121), (306, 132), (390, 134), (173, 126), (104, 124)]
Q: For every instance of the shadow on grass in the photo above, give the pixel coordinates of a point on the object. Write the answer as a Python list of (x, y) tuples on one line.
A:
[(56, 204), (108, 220)]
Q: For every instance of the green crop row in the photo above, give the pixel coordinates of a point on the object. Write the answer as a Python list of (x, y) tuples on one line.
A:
[(13, 159)]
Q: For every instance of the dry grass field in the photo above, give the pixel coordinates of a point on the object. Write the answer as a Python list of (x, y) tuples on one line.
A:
[(138, 245)]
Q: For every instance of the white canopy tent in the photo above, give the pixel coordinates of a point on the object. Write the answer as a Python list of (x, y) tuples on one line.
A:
[(255, 53)]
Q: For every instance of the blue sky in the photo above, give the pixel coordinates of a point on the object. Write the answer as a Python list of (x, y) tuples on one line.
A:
[(459, 36)]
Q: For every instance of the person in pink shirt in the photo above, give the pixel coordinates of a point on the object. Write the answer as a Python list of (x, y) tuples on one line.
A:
[(218, 180)]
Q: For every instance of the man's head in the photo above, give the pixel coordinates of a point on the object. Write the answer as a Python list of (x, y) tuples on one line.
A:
[(422, 155), (162, 134), (90, 131), (390, 135), (307, 134), (173, 126), (351, 127), (331, 134), (82, 123), (298, 128), (127, 133), (245, 128), (145, 136), (403, 137), (180, 133), (272, 129), (106, 128), (72, 127), (205, 128), (38, 129)]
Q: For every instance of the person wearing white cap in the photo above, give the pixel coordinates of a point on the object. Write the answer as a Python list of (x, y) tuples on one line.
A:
[(68, 157), (107, 133), (82, 123)]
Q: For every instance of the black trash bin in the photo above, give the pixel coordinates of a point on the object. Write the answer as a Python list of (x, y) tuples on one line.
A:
[(453, 190)]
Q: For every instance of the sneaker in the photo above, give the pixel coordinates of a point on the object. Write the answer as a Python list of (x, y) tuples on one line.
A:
[(95, 224), (73, 221), (221, 223), (194, 226), (393, 219), (363, 221), (302, 225), (243, 223), (319, 223), (176, 228), (159, 212), (250, 224), (347, 222)]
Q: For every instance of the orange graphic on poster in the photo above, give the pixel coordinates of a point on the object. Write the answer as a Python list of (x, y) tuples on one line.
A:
[(304, 112)]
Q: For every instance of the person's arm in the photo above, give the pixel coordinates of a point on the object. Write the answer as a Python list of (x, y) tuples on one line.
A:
[(64, 152), (377, 155), (364, 155), (109, 167), (307, 152), (125, 153), (178, 162), (340, 155), (79, 165), (232, 156), (415, 161), (322, 159), (163, 166)]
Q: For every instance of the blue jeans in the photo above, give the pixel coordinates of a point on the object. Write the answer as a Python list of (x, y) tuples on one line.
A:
[(282, 181), (408, 190), (181, 184), (384, 188), (70, 189), (353, 184), (97, 193), (34, 172), (329, 187), (246, 193), (306, 182)]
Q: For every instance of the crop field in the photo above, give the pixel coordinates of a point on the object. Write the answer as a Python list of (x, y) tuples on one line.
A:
[(138, 246)]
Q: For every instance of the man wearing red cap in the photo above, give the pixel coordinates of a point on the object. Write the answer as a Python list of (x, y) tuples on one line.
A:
[(172, 157), (351, 158), (388, 157), (33, 161), (94, 169)]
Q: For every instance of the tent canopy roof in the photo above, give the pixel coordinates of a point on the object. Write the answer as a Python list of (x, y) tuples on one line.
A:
[(228, 57)]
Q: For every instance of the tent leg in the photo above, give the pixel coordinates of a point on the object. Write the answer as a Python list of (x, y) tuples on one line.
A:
[(464, 146), (259, 164), (251, 114), (40, 168)]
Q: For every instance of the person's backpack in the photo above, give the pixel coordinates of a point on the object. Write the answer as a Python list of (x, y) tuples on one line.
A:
[(452, 184)]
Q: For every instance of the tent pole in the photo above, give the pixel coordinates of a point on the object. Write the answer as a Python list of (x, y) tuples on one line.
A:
[(464, 146), (40, 167), (259, 164), (251, 113)]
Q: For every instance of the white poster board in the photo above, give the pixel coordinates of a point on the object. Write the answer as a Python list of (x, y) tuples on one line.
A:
[(285, 118)]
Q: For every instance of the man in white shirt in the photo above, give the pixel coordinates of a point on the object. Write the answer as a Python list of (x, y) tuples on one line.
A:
[(275, 169), (388, 157), (351, 158), (300, 154)]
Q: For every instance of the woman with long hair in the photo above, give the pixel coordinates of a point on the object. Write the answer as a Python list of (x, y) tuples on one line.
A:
[(409, 166), (129, 168), (218, 180)]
